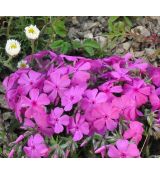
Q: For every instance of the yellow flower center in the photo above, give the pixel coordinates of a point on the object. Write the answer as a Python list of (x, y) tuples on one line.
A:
[(13, 46), (23, 65), (31, 30)]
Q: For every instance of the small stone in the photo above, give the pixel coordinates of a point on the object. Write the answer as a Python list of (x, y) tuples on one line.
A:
[(90, 25), (141, 30), (7, 115), (138, 54), (74, 20), (3, 103), (119, 50), (72, 33), (126, 46), (101, 40), (1, 88), (156, 18), (88, 35), (149, 51)]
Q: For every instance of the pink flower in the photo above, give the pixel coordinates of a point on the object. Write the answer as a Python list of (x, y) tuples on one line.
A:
[(109, 89), (154, 99), (105, 117), (36, 147), (10, 82), (11, 153), (92, 98), (120, 74), (139, 64), (80, 72), (138, 91), (35, 102), (71, 97), (30, 80), (123, 149), (134, 132), (57, 120), (28, 123), (127, 107), (154, 74), (56, 85), (78, 127), (102, 150), (19, 139)]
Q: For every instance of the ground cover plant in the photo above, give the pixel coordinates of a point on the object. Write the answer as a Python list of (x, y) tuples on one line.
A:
[(67, 104)]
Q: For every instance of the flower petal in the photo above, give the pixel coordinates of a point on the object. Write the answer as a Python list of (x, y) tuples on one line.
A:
[(43, 99)]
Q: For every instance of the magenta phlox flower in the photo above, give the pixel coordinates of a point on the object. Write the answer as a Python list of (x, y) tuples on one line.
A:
[(56, 84), (35, 103), (102, 151), (78, 127), (139, 64), (112, 60), (154, 98), (80, 74), (120, 74), (92, 98), (154, 74), (127, 107), (106, 117), (36, 147), (57, 120), (10, 82), (123, 149), (138, 91), (109, 89), (134, 132), (72, 96), (30, 80)]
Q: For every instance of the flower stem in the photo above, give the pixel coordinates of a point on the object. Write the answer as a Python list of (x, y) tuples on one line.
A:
[(9, 60), (145, 141), (32, 46), (9, 24)]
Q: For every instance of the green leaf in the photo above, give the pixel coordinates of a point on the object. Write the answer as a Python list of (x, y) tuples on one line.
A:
[(1, 150), (112, 19), (150, 119), (120, 26), (53, 141), (89, 50), (76, 44), (91, 43), (60, 28), (128, 21), (65, 47), (57, 44)]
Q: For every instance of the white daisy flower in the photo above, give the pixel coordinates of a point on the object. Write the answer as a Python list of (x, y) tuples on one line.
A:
[(13, 47), (22, 64), (32, 32)]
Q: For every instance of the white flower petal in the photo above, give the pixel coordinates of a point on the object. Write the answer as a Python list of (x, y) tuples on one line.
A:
[(12, 47), (32, 32)]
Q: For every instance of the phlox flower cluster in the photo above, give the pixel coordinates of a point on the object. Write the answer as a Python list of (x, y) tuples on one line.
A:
[(80, 97)]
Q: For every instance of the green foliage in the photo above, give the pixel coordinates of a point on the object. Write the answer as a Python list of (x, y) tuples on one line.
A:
[(59, 28), (90, 46), (61, 46), (118, 26)]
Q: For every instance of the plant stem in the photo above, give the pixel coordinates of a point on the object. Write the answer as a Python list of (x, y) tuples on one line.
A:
[(9, 24), (6, 65), (33, 50), (32, 46), (146, 139), (9, 60)]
